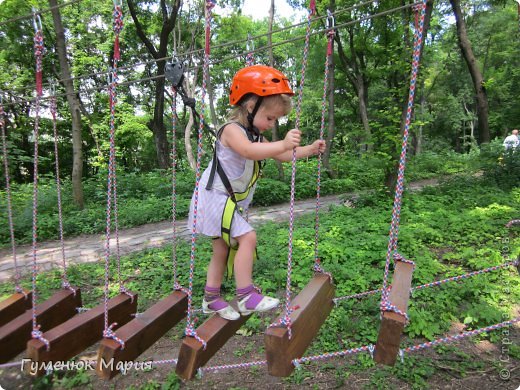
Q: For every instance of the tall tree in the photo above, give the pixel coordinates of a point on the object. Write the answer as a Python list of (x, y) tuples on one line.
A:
[(474, 70), (74, 106), (169, 17)]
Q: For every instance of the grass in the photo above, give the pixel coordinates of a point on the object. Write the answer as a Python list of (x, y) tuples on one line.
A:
[(447, 230)]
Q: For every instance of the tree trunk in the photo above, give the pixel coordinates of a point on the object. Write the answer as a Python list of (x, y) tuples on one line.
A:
[(354, 68), (156, 125), (476, 74), (362, 88), (274, 132), (74, 107)]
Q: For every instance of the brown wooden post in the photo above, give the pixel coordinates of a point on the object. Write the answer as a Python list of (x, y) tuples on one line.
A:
[(55, 310), (392, 324), (15, 305), (215, 331), (315, 302), (140, 333), (80, 332)]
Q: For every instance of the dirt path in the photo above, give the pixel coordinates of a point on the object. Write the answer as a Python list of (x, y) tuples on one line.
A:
[(90, 248)]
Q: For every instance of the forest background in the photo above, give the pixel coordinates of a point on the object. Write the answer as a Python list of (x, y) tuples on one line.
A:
[(458, 107)]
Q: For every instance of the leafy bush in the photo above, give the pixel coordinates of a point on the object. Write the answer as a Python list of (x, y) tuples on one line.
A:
[(501, 166), (269, 191), (430, 164)]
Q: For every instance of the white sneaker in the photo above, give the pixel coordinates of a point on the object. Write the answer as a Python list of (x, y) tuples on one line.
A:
[(267, 303), (228, 313)]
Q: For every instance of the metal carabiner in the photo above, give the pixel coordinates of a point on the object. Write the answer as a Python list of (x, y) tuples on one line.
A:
[(37, 20), (250, 46), (52, 86), (330, 20)]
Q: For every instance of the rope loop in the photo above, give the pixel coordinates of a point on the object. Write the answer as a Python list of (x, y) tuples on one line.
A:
[(318, 269), (66, 285), (178, 287), (399, 257), (387, 306), (191, 332), (110, 334), (286, 320), (38, 335), (124, 290)]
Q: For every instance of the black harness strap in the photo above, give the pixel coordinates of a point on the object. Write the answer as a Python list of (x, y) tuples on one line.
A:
[(216, 167)]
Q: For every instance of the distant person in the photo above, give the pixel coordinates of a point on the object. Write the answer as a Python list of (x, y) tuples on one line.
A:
[(512, 141)]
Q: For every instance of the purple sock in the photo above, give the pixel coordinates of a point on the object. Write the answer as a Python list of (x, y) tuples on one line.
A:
[(254, 297), (212, 296)]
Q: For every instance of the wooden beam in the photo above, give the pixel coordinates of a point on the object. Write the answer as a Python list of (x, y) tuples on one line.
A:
[(140, 333), (15, 305), (215, 331), (55, 310), (315, 303), (392, 324), (80, 332)]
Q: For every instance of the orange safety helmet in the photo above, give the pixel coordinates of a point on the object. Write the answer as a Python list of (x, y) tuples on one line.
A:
[(258, 79)]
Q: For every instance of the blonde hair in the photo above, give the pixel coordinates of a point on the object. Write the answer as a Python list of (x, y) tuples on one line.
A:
[(239, 113)]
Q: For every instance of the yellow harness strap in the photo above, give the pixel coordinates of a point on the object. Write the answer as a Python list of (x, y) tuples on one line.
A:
[(227, 219)]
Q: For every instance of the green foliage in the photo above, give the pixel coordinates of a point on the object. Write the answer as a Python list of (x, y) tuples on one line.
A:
[(269, 191), (447, 230), (142, 198)]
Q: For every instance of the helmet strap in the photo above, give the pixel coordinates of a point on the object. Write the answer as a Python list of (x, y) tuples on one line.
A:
[(251, 117)]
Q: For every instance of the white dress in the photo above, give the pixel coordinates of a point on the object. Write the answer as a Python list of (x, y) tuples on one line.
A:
[(211, 203)]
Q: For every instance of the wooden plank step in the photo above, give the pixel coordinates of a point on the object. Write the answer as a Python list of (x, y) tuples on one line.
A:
[(55, 310), (315, 302), (392, 324), (80, 332), (15, 305), (215, 331), (140, 333)]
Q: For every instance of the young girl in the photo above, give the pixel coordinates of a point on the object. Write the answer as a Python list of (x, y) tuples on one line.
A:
[(261, 95)]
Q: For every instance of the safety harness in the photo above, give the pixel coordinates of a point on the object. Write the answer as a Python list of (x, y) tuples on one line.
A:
[(237, 189)]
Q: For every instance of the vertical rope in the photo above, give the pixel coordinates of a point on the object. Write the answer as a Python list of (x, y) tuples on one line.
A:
[(38, 54), (396, 212), (190, 323), (17, 276), (118, 27), (330, 48), (111, 177), (176, 284), (250, 47), (286, 320), (65, 282)]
